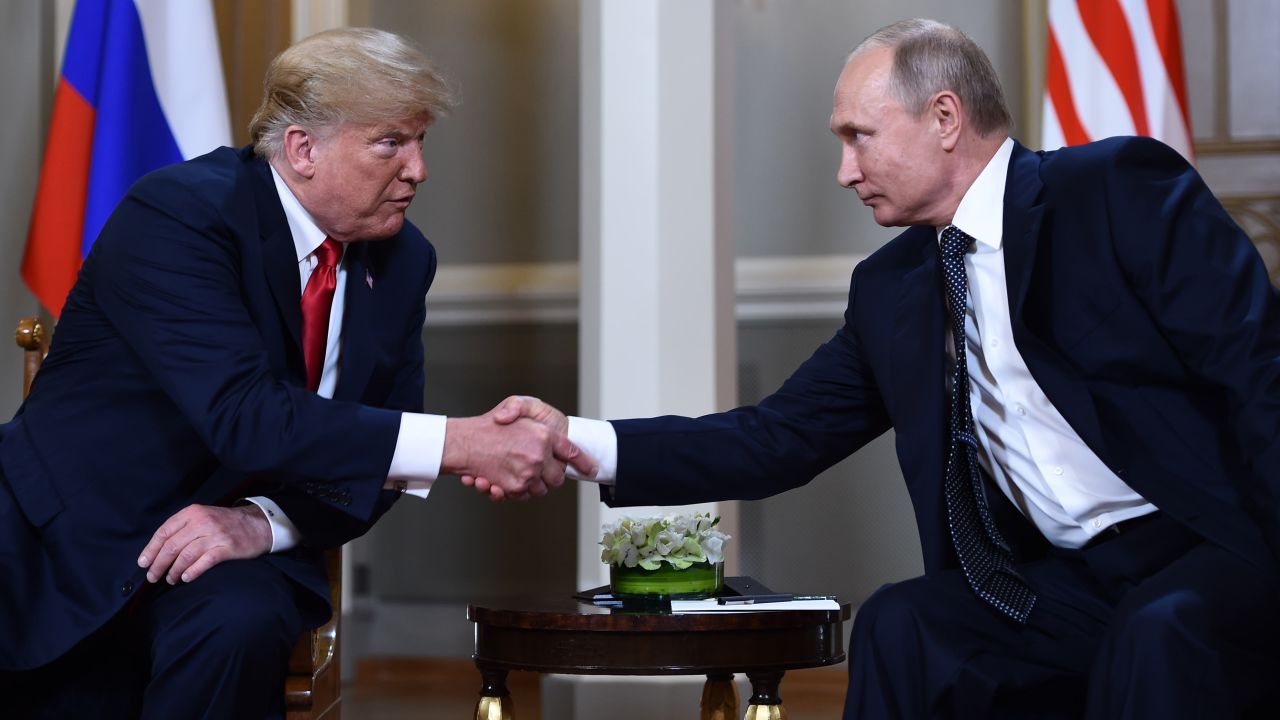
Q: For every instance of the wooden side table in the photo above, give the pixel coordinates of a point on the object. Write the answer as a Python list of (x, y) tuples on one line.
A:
[(561, 635)]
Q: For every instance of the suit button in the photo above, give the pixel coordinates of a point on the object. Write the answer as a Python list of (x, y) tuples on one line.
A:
[(126, 588)]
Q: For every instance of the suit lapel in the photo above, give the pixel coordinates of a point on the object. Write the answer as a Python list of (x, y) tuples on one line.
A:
[(919, 370), (918, 379), (357, 317), (1023, 220), (279, 256), (280, 261)]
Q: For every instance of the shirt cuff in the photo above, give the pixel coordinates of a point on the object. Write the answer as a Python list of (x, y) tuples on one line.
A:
[(597, 439), (284, 534), (415, 464)]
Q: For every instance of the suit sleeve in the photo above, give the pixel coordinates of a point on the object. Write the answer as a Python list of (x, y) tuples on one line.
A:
[(323, 525), (827, 409), (1205, 284), (168, 281)]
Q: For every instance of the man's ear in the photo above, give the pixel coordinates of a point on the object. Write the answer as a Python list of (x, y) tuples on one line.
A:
[(300, 150), (944, 108)]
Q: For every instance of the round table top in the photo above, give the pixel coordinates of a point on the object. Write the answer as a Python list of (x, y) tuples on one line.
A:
[(564, 612), (559, 633)]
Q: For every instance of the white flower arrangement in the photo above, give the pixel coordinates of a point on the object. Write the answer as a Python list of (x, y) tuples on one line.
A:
[(679, 540)]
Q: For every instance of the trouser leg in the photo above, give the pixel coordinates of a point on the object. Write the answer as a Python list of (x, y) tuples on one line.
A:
[(928, 648), (105, 672), (1154, 623), (1195, 640), (221, 644)]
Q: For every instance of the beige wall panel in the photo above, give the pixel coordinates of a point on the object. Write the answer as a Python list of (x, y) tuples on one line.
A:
[(1254, 64), (1200, 54), (250, 34)]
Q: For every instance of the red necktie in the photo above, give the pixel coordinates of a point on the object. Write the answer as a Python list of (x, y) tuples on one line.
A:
[(317, 299)]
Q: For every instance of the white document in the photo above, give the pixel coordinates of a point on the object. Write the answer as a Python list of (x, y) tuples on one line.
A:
[(682, 607)]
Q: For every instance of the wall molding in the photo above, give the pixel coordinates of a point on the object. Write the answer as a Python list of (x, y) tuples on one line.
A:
[(767, 289)]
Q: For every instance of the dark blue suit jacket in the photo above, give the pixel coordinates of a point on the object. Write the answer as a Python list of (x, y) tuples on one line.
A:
[(176, 376), (1141, 309)]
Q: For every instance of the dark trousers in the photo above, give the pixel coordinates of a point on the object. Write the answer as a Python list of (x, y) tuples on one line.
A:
[(1150, 623), (214, 648)]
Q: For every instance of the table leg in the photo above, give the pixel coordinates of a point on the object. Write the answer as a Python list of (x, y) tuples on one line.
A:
[(495, 699), (719, 698), (766, 703)]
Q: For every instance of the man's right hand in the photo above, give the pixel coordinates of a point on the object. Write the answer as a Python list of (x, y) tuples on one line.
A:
[(514, 451)]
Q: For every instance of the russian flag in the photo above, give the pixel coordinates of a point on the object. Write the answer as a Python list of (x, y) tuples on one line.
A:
[(141, 87)]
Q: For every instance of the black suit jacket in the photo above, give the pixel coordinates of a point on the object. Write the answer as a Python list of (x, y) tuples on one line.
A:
[(1141, 309), (176, 376)]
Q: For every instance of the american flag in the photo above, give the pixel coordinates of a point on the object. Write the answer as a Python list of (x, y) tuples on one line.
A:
[(1114, 67)]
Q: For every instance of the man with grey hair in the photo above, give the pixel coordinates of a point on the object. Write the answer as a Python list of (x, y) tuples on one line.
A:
[(236, 383), (1079, 354)]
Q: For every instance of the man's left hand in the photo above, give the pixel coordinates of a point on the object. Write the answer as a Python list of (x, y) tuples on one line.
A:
[(200, 536)]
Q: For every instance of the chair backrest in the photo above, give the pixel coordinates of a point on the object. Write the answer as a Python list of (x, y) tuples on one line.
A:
[(34, 341), (1260, 220), (313, 687)]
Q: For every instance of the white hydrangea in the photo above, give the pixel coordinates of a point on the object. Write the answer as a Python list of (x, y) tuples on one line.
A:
[(680, 540)]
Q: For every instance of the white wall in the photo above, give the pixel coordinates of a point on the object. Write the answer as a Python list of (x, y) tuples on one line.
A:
[(26, 84)]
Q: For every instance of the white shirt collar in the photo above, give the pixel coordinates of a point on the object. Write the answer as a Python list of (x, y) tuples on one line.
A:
[(307, 236), (981, 210)]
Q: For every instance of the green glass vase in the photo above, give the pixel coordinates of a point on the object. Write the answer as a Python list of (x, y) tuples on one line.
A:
[(699, 580)]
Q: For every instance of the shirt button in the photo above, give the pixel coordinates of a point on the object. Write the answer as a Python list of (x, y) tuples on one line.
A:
[(1097, 522), (995, 342), (1020, 410), (1057, 471)]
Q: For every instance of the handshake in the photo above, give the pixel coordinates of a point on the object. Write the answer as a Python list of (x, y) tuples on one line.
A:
[(515, 451)]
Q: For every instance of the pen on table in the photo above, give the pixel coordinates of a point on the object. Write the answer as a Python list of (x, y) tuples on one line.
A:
[(753, 599), (777, 597)]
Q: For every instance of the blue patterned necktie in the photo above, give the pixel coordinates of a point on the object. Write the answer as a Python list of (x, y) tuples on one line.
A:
[(984, 555)]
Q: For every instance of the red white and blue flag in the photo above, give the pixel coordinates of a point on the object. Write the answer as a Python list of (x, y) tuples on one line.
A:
[(141, 87), (1114, 67)]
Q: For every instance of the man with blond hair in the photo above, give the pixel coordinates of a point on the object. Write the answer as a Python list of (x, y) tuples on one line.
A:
[(236, 383)]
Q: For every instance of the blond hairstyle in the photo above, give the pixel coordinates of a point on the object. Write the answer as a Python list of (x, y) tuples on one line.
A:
[(929, 57), (357, 75)]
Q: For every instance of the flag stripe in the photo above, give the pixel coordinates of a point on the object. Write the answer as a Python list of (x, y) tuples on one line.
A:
[(1051, 132), (1060, 95), (1106, 25), (49, 268), (1168, 35)]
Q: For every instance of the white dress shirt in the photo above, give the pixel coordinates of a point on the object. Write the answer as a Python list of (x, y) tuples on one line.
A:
[(1025, 445), (415, 464)]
